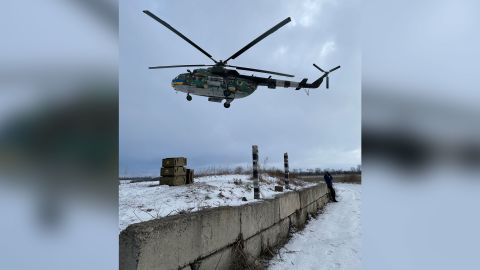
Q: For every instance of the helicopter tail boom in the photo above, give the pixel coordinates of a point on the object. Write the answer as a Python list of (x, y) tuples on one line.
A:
[(303, 83)]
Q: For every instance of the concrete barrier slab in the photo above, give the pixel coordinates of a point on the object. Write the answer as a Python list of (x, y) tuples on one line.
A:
[(129, 246), (312, 208), (221, 260), (253, 245), (258, 216), (171, 242), (310, 195), (288, 203), (275, 235), (301, 217), (206, 236)]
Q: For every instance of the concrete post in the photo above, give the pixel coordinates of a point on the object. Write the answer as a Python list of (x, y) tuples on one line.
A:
[(285, 163), (256, 189)]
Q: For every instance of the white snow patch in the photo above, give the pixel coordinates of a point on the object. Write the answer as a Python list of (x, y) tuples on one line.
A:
[(332, 241), (144, 201)]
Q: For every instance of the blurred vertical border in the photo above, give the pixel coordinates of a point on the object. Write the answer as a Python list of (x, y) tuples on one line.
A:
[(59, 134), (421, 134)]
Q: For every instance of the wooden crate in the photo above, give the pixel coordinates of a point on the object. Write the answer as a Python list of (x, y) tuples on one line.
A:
[(174, 162), (173, 180), (189, 174), (173, 171)]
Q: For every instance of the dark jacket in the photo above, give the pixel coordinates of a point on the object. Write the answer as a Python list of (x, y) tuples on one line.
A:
[(328, 179)]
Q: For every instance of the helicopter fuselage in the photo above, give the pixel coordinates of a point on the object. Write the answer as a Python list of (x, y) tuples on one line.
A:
[(217, 86)]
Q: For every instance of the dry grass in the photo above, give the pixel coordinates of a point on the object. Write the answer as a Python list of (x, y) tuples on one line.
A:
[(339, 178), (349, 178), (243, 260)]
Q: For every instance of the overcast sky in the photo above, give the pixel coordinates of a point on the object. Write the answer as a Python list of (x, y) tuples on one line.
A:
[(321, 130)]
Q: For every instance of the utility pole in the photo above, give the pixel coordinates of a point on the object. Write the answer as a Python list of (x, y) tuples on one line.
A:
[(285, 163), (256, 189)]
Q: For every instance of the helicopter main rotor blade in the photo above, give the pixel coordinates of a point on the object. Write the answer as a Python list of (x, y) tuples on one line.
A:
[(261, 70), (178, 33), (258, 39), (333, 69), (177, 66)]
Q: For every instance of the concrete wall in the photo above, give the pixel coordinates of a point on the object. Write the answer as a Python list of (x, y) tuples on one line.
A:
[(205, 239)]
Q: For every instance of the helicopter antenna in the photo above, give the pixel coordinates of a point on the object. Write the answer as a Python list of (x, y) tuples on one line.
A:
[(179, 34)]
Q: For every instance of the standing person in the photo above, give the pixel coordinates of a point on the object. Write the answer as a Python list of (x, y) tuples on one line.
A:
[(329, 181)]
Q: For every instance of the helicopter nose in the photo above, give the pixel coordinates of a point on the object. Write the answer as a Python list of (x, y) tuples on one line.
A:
[(176, 82)]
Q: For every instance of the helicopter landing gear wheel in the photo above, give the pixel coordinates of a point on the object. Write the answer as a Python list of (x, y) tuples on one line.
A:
[(226, 105), (189, 98)]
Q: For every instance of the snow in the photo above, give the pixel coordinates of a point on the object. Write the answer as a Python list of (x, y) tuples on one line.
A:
[(331, 241), (144, 201)]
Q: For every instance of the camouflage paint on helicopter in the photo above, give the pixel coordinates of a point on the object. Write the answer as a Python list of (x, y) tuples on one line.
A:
[(203, 82), (219, 83)]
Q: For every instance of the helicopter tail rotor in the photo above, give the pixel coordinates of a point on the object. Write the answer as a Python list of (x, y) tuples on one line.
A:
[(325, 75)]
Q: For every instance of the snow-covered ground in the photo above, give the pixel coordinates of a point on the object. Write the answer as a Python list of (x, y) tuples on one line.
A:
[(331, 241), (144, 201)]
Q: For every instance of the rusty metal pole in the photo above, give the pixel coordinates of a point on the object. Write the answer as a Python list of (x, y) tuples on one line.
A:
[(256, 189), (285, 163)]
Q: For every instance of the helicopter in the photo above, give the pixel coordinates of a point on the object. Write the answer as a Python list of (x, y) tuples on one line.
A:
[(217, 82)]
